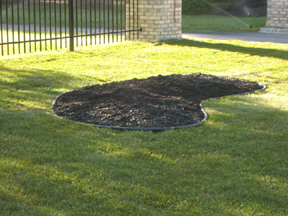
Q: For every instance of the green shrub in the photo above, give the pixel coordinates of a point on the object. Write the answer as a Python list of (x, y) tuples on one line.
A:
[(195, 7)]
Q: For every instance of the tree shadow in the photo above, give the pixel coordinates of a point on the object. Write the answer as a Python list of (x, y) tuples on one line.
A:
[(31, 84), (262, 52), (75, 168)]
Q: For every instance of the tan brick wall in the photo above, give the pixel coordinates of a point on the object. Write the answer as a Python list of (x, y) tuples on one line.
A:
[(277, 13), (159, 20)]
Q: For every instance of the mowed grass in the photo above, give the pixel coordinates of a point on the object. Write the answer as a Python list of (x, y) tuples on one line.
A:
[(234, 164), (57, 13), (49, 45), (223, 23)]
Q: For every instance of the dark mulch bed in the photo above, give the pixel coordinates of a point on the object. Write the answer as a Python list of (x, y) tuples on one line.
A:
[(162, 101)]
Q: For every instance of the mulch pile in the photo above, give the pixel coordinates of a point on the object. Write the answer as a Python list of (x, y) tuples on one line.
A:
[(161, 101)]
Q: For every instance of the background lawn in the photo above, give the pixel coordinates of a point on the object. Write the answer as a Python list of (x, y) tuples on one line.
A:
[(57, 13), (211, 21), (211, 15), (224, 23), (233, 164)]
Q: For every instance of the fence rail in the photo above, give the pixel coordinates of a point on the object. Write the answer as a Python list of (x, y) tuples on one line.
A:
[(32, 25)]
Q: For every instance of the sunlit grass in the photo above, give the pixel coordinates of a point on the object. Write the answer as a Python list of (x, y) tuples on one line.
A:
[(233, 164), (53, 41)]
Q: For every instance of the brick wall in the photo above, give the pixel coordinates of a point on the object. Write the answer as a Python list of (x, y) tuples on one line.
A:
[(159, 20), (277, 13)]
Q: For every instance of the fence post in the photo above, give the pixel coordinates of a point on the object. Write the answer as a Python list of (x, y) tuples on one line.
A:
[(159, 19), (71, 25), (277, 15)]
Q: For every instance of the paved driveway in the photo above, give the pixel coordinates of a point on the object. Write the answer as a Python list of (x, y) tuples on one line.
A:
[(243, 36)]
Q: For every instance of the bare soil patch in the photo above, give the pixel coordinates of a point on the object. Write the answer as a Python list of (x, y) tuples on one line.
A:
[(156, 102)]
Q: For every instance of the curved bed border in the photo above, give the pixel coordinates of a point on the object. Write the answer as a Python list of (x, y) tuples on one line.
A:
[(159, 128)]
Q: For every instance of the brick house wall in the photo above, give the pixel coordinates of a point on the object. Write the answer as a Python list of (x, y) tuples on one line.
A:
[(277, 14)]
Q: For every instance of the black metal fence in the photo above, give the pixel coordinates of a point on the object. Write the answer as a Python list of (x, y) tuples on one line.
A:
[(40, 25)]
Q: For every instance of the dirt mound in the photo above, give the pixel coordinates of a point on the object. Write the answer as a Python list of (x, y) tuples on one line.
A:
[(162, 101)]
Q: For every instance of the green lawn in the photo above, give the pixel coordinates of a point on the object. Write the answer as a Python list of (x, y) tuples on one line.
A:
[(28, 47), (225, 23), (94, 19), (52, 16), (234, 164), (58, 14)]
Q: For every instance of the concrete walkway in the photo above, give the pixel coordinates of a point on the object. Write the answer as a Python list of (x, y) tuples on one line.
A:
[(242, 36)]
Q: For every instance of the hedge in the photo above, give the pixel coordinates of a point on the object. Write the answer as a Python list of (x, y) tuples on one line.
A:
[(196, 7)]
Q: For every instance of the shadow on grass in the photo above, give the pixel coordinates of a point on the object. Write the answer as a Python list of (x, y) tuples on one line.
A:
[(33, 85), (236, 162), (281, 54), (34, 78), (17, 204), (30, 86)]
